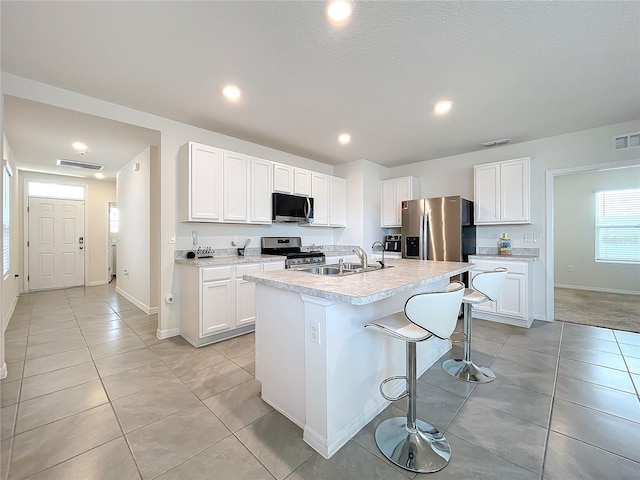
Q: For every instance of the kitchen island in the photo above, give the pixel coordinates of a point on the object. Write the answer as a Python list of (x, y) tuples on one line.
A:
[(317, 364)]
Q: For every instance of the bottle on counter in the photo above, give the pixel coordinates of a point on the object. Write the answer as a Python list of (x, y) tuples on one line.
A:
[(504, 245)]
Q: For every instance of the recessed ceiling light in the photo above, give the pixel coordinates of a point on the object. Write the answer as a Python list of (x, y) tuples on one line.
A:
[(79, 146), (339, 11), (344, 138), (442, 107), (99, 176), (232, 93)]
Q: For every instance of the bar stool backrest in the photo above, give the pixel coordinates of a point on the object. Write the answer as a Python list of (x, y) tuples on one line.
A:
[(436, 312), (490, 283)]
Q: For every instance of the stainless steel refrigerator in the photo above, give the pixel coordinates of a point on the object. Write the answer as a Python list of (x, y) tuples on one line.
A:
[(438, 229)]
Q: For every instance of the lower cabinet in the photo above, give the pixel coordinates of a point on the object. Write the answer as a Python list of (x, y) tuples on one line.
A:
[(514, 305), (216, 303)]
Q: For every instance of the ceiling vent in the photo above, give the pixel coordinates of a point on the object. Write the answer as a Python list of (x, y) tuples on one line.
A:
[(628, 140), (495, 143), (87, 166)]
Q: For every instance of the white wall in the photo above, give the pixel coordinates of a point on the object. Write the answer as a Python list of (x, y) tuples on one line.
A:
[(574, 231), (99, 194), (173, 135), (134, 237), (454, 176)]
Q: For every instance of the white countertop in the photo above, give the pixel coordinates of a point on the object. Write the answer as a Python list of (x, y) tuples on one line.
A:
[(362, 288), (507, 258), (229, 260)]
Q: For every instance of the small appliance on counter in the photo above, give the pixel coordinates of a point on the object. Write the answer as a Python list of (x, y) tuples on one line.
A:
[(393, 243)]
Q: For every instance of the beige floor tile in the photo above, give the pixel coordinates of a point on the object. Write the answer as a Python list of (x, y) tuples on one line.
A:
[(57, 380), (237, 346), (108, 349), (213, 380), (125, 361), (239, 406), (154, 403), (9, 393), (46, 446), (55, 347), (7, 420), (132, 381), (59, 336), (168, 442), (193, 360), (63, 403), (97, 338), (36, 366)]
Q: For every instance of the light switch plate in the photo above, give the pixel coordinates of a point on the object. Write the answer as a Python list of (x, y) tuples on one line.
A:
[(172, 238)]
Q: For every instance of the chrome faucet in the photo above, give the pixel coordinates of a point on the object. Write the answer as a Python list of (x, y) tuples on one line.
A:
[(381, 262), (362, 255)]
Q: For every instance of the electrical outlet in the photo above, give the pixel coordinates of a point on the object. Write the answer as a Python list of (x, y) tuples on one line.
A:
[(527, 238), (314, 334), (571, 268), (172, 238)]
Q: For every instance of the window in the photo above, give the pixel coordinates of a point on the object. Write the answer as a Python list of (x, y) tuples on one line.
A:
[(114, 219), (6, 209), (618, 226), (54, 190)]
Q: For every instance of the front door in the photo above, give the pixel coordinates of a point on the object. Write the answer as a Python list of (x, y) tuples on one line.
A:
[(56, 243)]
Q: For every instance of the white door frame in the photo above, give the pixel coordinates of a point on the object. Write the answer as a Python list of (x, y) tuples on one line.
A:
[(25, 225), (550, 175)]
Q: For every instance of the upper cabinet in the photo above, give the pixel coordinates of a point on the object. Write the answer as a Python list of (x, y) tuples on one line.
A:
[(221, 186), (394, 191), (502, 192), (292, 180), (329, 200), (200, 172)]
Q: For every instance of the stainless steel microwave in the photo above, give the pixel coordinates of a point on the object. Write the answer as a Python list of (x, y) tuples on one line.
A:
[(291, 208)]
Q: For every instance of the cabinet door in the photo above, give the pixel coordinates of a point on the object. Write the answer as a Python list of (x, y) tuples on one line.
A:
[(245, 295), (320, 193), (217, 307), (337, 202), (404, 191), (282, 178), (390, 211), (513, 298), (235, 174), (205, 182), (514, 191), (301, 182), (260, 191), (487, 193)]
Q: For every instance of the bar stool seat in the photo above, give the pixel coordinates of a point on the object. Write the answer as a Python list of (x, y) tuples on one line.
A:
[(486, 287), (409, 442)]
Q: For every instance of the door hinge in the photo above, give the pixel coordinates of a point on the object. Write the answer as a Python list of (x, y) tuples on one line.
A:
[(28, 277), (27, 243), (27, 209)]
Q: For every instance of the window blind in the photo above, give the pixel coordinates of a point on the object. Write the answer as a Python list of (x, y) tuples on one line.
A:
[(618, 226)]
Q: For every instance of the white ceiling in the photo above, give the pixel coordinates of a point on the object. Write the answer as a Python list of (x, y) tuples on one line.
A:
[(522, 70)]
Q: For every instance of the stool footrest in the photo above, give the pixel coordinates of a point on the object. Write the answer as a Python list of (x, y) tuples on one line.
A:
[(393, 399)]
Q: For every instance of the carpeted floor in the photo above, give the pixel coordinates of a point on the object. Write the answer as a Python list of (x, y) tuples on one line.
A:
[(608, 310)]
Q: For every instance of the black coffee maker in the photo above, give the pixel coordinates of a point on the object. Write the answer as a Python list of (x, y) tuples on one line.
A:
[(392, 243)]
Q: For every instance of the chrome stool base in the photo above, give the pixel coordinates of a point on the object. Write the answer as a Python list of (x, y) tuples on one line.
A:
[(468, 371), (423, 451)]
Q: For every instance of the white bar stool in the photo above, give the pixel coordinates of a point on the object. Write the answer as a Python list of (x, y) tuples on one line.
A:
[(486, 287), (407, 441)]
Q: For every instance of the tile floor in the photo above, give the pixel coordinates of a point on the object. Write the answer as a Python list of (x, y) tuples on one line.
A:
[(93, 394)]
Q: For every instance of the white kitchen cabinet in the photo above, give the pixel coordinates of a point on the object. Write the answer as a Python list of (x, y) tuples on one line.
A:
[(200, 180), (394, 191), (260, 191), (329, 200), (301, 182), (292, 180), (216, 303), (502, 192), (235, 204), (514, 305)]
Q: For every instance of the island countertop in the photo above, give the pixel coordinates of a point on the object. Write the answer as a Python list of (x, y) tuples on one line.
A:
[(363, 288)]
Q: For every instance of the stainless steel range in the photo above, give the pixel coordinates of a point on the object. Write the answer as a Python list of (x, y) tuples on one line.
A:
[(291, 247)]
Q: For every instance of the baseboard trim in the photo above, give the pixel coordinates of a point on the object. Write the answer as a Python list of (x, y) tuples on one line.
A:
[(170, 332), (96, 283), (597, 289), (12, 308), (3, 371), (145, 308)]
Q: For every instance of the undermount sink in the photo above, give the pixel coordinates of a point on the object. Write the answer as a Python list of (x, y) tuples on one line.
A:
[(347, 269)]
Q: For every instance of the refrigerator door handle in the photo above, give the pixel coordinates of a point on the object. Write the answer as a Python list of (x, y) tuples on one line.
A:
[(424, 236)]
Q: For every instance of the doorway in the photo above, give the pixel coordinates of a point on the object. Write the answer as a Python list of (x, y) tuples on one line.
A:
[(580, 287), (56, 243)]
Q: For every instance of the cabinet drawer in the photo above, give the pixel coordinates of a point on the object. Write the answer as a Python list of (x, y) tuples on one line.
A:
[(247, 269), (216, 273), (510, 265)]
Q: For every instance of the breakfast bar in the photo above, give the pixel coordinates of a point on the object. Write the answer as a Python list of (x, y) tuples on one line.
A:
[(317, 364)]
